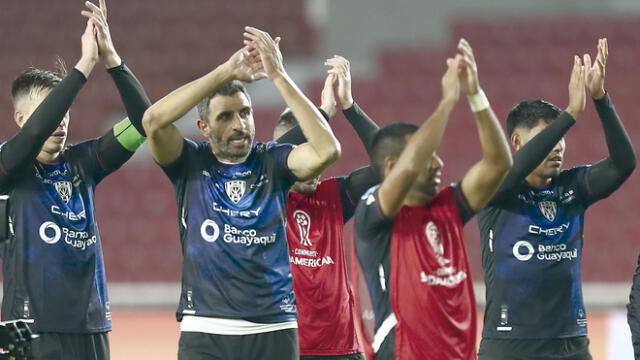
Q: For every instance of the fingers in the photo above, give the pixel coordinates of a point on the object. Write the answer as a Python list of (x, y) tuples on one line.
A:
[(103, 7), (101, 27), (587, 62), (261, 39), (94, 9)]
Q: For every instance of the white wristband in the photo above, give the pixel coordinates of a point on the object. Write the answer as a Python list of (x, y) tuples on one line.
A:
[(478, 101)]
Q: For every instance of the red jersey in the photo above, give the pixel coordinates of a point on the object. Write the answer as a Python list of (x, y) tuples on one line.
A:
[(324, 300), (424, 279)]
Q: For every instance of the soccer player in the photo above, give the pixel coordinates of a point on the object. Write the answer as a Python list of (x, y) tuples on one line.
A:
[(237, 291), (409, 236), (53, 264), (316, 214), (531, 232)]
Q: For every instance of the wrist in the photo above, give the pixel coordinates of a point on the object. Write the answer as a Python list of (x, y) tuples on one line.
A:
[(573, 112), (112, 61), (599, 95), (348, 103), (225, 72), (85, 66), (449, 101), (478, 101)]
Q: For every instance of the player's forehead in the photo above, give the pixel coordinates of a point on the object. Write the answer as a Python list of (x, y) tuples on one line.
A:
[(233, 103)]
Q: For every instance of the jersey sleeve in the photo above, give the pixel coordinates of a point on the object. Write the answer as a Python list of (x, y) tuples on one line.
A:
[(372, 228), (177, 169), (280, 155), (462, 204)]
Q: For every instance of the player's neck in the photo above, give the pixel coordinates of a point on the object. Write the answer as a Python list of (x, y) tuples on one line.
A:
[(230, 160), (539, 181), (47, 158), (417, 198)]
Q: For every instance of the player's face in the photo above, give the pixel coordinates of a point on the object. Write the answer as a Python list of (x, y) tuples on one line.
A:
[(552, 164), (55, 143), (428, 180), (230, 127), (306, 187)]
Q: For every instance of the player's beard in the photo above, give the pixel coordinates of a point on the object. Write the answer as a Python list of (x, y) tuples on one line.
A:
[(229, 152)]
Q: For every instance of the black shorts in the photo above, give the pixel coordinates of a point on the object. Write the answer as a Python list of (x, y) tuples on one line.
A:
[(338, 357), (274, 345), (57, 346), (575, 348)]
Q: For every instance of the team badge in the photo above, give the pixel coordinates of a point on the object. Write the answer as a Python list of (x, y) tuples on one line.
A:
[(64, 189), (548, 209), (303, 220), (235, 190), (433, 235)]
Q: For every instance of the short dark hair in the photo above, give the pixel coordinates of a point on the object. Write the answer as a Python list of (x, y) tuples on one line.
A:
[(529, 113), (228, 89), (34, 80), (390, 140), (286, 122)]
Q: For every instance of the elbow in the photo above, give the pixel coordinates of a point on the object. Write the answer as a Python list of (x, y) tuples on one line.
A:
[(332, 153), (150, 121)]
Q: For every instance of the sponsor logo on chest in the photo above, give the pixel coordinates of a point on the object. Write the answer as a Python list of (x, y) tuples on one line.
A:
[(446, 274)]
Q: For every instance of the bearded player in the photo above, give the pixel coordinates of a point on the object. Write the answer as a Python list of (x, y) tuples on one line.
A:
[(237, 298)]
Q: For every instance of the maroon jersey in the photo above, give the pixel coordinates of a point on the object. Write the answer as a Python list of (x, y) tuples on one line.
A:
[(325, 303), (416, 269)]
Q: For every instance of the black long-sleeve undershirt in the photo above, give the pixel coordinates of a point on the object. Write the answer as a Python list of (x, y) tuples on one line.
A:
[(604, 177), (356, 183), (133, 96), (25, 146), (111, 153), (534, 152)]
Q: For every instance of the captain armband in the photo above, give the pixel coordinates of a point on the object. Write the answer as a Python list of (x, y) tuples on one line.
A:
[(127, 135)]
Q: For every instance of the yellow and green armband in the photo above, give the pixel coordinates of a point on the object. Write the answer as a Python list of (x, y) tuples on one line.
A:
[(127, 135)]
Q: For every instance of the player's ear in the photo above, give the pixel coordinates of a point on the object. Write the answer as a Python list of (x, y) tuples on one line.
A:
[(19, 117), (389, 163), (516, 141), (203, 126)]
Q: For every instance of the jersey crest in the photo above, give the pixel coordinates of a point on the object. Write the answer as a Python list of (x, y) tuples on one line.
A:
[(64, 189), (235, 190), (548, 209)]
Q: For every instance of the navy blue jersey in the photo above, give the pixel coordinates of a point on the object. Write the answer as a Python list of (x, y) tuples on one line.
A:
[(53, 263), (233, 234), (532, 242)]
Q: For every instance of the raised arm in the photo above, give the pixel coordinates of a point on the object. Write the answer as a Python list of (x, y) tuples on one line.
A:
[(527, 158), (608, 174), (165, 140), (480, 183), (364, 126), (327, 109), (119, 143), (25, 146), (421, 147), (322, 149)]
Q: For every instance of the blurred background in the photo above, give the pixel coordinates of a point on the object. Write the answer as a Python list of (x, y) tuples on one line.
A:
[(397, 49)]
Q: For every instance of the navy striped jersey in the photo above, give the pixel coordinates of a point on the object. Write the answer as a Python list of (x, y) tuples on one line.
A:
[(233, 234), (531, 241), (53, 263)]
